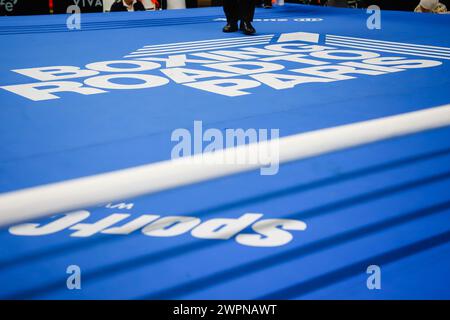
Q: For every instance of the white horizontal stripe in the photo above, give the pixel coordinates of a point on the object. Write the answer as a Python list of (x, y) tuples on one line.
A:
[(333, 43), (155, 177), (407, 48), (391, 42), (249, 42), (376, 47), (208, 41), (198, 49)]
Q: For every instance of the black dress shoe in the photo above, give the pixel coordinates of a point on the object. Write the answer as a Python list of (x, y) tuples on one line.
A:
[(267, 6), (230, 27), (247, 27)]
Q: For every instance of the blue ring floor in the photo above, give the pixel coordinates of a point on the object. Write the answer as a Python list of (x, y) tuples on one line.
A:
[(385, 203)]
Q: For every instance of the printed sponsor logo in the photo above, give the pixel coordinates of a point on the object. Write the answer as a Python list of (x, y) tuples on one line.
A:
[(263, 232), (233, 67)]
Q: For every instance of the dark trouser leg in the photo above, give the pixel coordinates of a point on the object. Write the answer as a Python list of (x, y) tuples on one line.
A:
[(231, 9), (247, 10)]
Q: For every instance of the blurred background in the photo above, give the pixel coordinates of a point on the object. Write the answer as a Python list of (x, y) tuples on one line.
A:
[(27, 7)]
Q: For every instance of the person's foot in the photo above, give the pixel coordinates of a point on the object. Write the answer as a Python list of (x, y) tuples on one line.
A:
[(247, 28), (230, 27), (267, 6)]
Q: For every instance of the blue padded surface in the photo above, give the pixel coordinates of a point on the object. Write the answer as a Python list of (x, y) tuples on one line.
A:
[(386, 203)]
